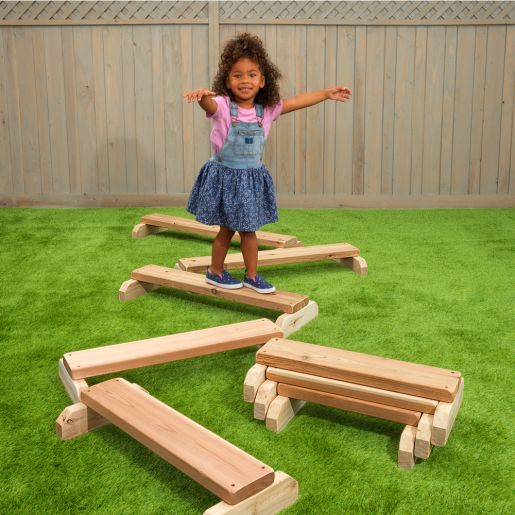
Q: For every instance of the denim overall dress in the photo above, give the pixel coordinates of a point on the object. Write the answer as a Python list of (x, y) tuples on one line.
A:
[(234, 189)]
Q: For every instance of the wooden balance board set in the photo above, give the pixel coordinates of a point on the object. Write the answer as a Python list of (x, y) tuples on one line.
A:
[(286, 375)]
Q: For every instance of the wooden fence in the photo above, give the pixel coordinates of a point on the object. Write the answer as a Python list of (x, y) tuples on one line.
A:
[(91, 110)]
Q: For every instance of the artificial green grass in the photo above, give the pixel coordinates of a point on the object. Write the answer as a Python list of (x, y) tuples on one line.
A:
[(440, 291)]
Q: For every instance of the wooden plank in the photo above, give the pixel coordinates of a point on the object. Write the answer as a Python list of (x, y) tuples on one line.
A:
[(194, 283), (355, 367), (423, 436), (276, 257), (77, 420), (281, 411), (283, 492), (163, 349), (444, 417), (354, 390), (186, 225), (255, 377), (214, 463), (350, 404), (406, 456), (266, 393)]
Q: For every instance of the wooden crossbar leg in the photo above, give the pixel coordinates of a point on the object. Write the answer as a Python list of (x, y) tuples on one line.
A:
[(290, 323), (72, 386), (423, 436), (406, 455), (357, 264), (141, 230), (132, 289), (281, 411), (253, 380), (265, 395), (444, 417), (76, 420), (282, 493)]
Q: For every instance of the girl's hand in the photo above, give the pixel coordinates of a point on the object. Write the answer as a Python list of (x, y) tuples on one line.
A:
[(197, 94), (339, 93)]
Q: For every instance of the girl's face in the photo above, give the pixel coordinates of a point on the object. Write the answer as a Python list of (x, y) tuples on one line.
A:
[(245, 80)]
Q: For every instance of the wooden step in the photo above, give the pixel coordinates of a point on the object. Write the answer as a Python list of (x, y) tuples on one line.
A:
[(276, 256), (187, 281), (355, 367), (152, 351), (219, 466), (372, 409), (268, 239), (357, 391)]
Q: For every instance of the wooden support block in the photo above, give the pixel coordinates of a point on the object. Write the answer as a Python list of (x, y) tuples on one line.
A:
[(358, 391), (72, 386), (163, 349), (276, 257), (423, 436), (290, 323), (281, 494), (224, 469), (76, 420), (444, 417), (141, 230), (253, 380), (372, 409), (406, 455), (266, 393), (356, 367), (132, 289), (281, 411), (356, 263), (269, 239), (187, 281)]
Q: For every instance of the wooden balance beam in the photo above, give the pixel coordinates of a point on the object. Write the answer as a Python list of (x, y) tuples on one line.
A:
[(287, 374), (155, 223), (152, 351), (239, 479), (150, 277), (344, 253)]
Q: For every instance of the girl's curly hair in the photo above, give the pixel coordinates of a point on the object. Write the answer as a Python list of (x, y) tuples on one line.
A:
[(250, 46)]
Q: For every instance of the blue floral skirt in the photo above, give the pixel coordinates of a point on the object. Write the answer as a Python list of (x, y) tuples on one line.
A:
[(241, 199)]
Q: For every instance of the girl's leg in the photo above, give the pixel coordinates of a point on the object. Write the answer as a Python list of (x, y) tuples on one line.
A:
[(219, 250), (249, 249)]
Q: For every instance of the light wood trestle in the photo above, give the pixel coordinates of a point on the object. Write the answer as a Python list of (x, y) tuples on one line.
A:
[(344, 253), (155, 222), (288, 373), (150, 277), (219, 466)]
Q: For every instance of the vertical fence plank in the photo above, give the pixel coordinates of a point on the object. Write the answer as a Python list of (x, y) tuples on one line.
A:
[(270, 154), (330, 108), (462, 112), (448, 109), (6, 183), (38, 44), (300, 124), (358, 149), (476, 135), (187, 109), (158, 104), (85, 94), (387, 130), (492, 109), (28, 110), (374, 110), (418, 125), (345, 117), (285, 124), (507, 112), (433, 110), (406, 113), (143, 87), (173, 109)]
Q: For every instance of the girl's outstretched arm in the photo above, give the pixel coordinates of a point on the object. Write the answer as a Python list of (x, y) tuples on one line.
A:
[(339, 93), (203, 97)]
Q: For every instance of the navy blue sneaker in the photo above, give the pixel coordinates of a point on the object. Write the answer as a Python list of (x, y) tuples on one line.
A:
[(223, 280), (259, 284)]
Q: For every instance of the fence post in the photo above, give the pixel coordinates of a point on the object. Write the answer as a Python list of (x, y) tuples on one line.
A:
[(214, 38)]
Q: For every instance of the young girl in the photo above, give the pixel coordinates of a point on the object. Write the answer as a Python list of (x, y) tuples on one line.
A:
[(234, 189)]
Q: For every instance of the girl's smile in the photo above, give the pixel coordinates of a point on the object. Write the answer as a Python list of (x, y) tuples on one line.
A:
[(245, 80)]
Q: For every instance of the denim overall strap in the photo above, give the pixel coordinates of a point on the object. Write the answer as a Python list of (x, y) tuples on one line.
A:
[(244, 143)]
